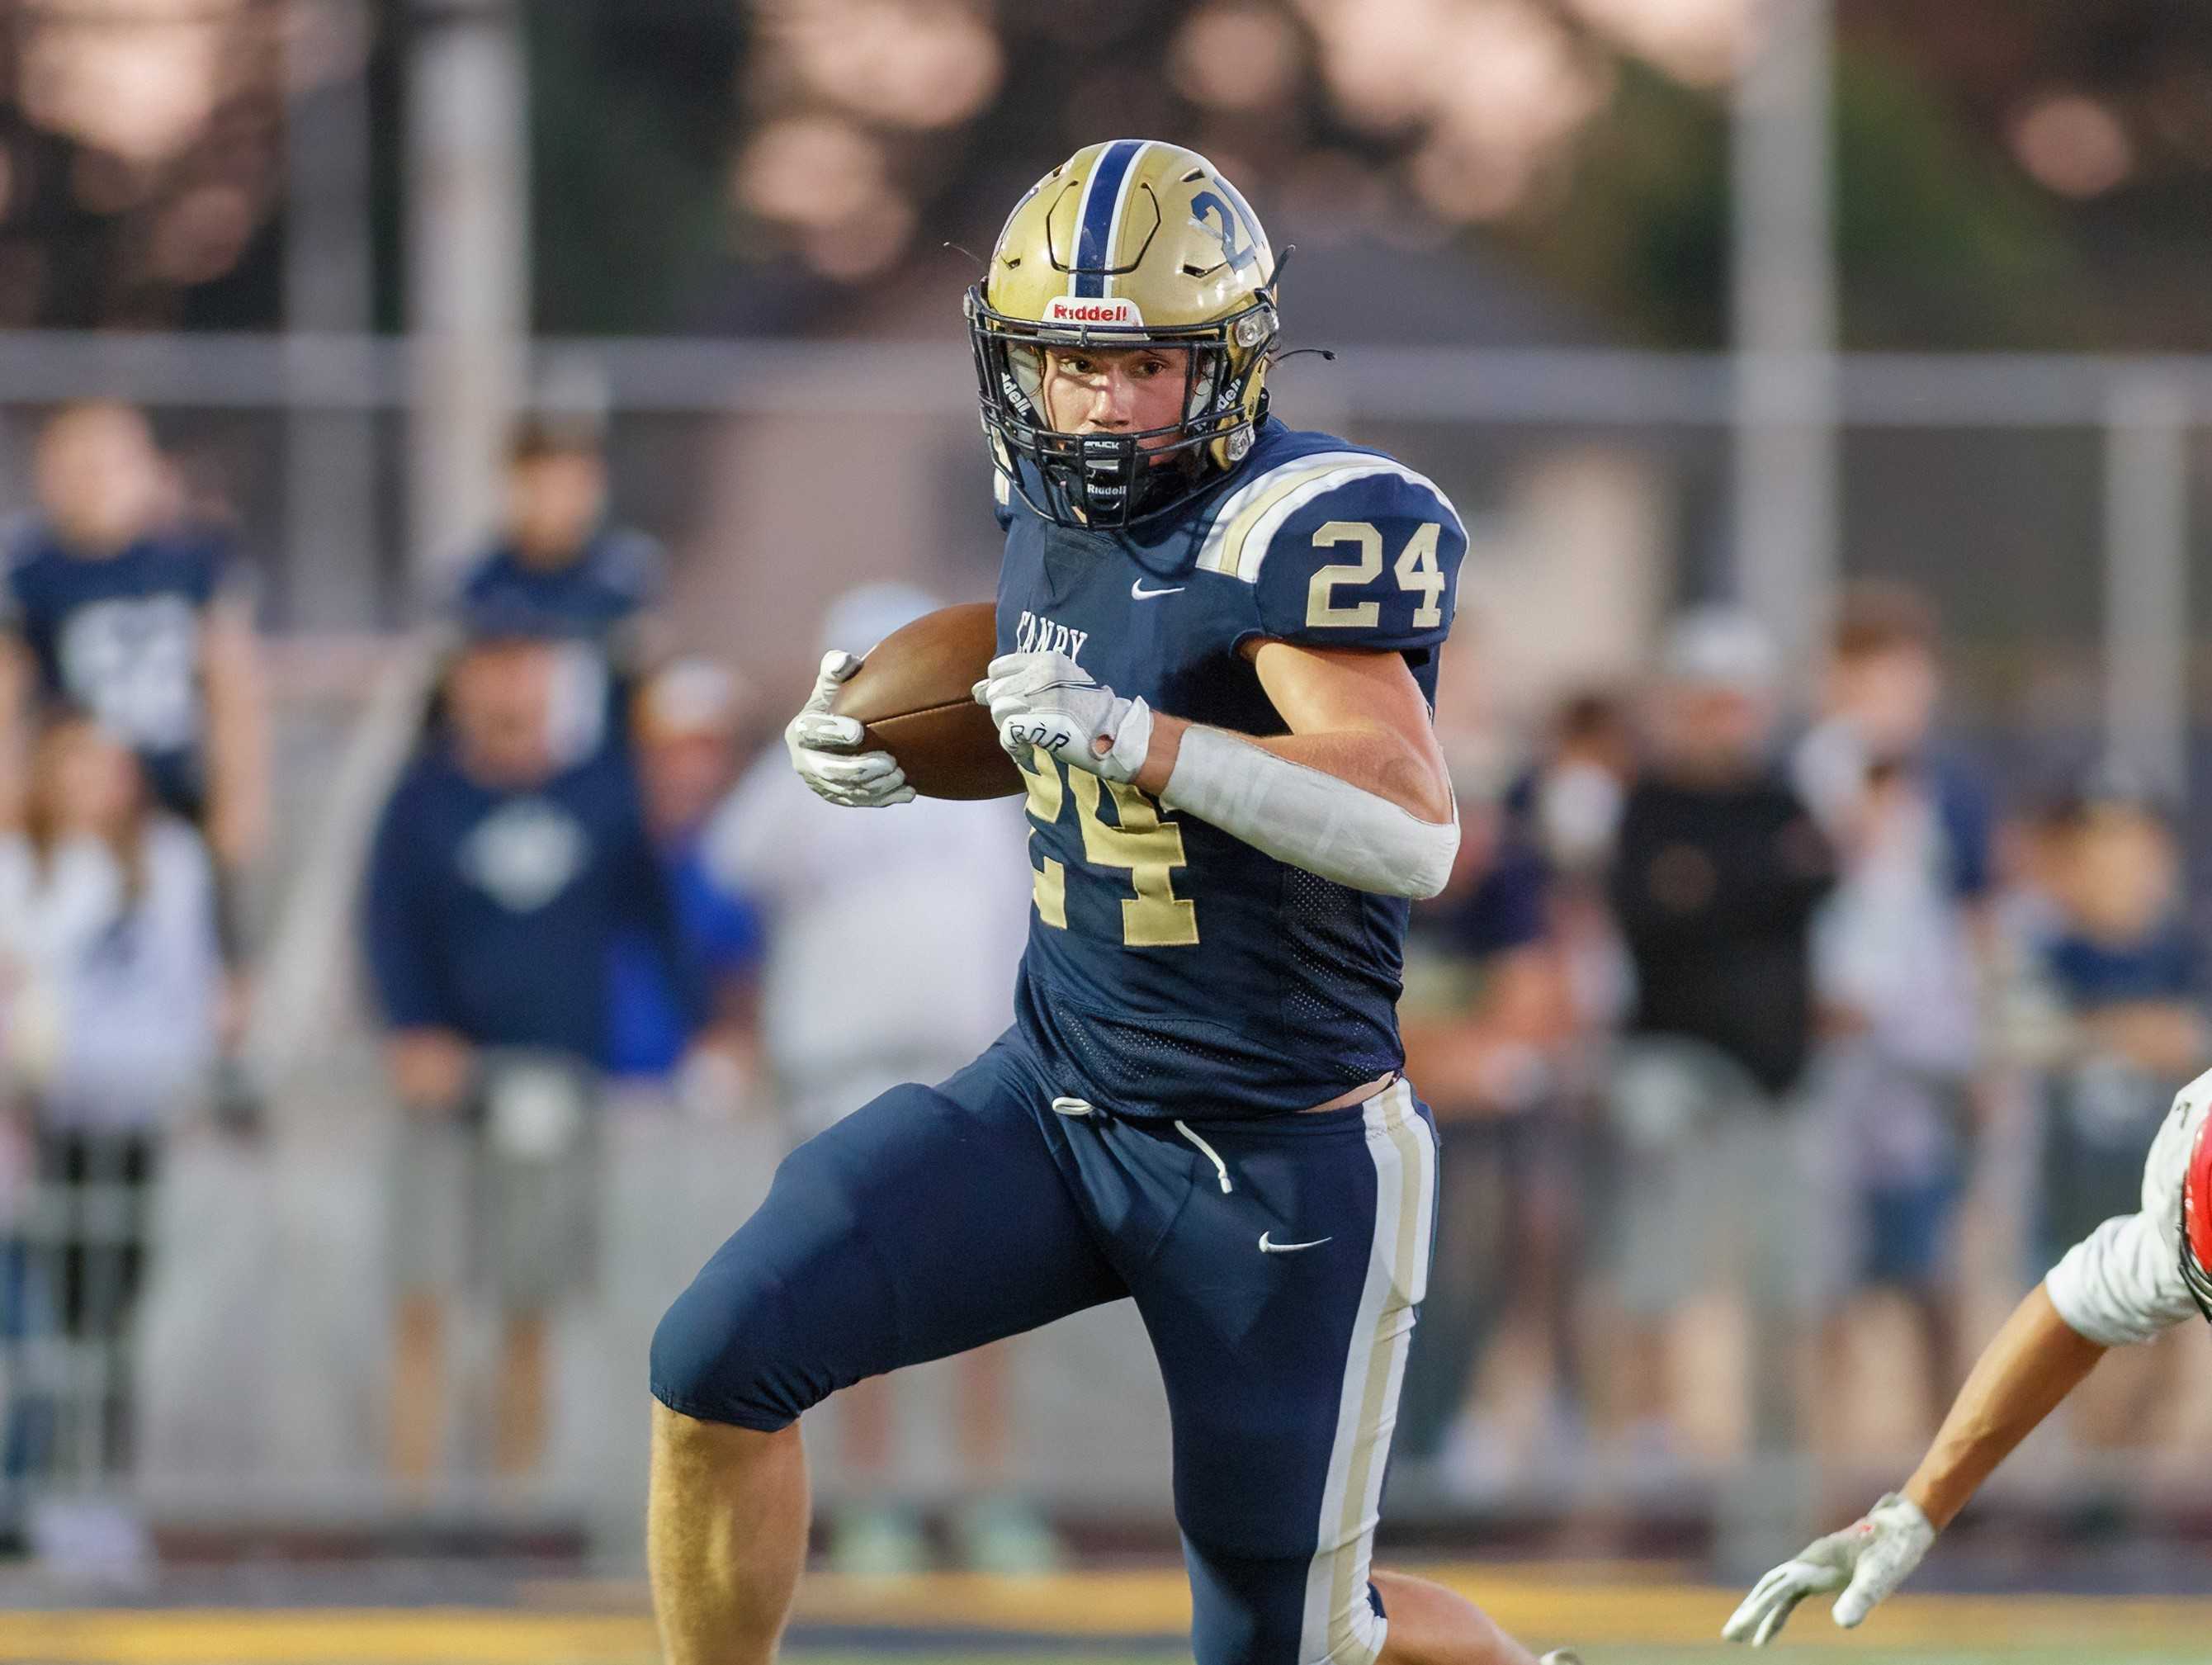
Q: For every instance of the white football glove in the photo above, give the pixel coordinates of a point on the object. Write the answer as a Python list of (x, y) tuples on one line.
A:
[(1049, 701), (1867, 1560), (824, 748)]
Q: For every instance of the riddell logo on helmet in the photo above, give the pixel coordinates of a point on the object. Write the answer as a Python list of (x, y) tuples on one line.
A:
[(1069, 309)]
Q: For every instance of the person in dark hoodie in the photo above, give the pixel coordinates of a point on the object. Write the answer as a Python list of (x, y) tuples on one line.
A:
[(499, 885)]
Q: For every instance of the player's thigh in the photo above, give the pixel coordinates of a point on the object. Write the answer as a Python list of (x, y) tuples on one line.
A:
[(929, 1221), (1283, 1365)]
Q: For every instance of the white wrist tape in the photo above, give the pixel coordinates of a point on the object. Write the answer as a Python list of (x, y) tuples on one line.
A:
[(1309, 819)]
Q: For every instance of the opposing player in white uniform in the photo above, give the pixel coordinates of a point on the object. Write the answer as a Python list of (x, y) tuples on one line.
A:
[(2129, 1280)]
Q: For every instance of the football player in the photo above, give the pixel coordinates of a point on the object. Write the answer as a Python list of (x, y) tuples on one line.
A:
[(1217, 647), (2128, 1281)]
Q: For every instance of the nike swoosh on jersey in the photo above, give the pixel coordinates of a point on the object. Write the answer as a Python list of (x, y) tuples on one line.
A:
[(1266, 1248), (1138, 591)]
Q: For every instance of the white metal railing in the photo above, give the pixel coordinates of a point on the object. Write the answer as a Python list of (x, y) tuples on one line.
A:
[(1613, 387)]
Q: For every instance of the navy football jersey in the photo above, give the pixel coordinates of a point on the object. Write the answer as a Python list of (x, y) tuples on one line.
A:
[(120, 636), (1172, 969)]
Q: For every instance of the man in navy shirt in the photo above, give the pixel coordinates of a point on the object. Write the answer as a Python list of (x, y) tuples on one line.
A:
[(113, 604), (498, 886), (558, 570)]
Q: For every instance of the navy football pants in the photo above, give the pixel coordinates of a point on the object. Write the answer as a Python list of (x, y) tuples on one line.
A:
[(934, 1221)]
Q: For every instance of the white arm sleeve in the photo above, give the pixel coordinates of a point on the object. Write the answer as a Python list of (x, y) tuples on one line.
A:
[(1310, 818), (2122, 1284)]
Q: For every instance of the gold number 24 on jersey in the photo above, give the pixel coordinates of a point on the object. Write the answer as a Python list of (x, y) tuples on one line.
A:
[(1416, 571), (1136, 841)]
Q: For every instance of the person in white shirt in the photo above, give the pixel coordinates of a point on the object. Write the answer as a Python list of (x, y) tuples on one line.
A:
[(111, 983), (2132, 1278), (107, 936), (940, 898)]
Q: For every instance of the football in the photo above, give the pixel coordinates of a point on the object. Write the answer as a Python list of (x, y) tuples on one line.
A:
[(914, 697)]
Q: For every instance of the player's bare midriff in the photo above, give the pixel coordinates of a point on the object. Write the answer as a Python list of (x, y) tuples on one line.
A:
[(1356, 1096)]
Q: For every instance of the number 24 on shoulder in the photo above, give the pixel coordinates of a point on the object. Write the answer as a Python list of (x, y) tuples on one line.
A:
[(1416, 570)]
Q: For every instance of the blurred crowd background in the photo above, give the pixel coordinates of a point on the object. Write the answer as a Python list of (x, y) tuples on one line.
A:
[(441, 436)]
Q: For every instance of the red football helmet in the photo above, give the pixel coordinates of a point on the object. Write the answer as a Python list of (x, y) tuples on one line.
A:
[(2196, 1220)]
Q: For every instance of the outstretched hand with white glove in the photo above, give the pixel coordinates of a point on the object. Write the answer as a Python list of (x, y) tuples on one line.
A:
[(1866, 1561), (825, 748)]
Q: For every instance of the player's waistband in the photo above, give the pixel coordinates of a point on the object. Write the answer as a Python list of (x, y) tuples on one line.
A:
[(1357, 1117), (1318, 1121)]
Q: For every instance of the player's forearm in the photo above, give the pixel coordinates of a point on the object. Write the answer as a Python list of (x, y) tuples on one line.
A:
[(1374, 760), (1301, 812), (2027, 1369)]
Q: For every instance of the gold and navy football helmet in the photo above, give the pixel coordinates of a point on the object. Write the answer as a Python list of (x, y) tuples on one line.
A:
[(1127, 244)]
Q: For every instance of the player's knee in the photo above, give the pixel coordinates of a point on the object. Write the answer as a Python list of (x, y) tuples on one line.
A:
[(718, 1353), (739, 1345)]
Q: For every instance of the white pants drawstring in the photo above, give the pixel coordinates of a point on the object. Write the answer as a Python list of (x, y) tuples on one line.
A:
[(1220, 1168), (1083, 1107)]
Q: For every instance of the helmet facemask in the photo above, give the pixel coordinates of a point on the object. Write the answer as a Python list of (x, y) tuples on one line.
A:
[(1117, 482)]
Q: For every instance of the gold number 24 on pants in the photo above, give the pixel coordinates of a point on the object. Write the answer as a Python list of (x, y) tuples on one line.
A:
[(1137, 841)]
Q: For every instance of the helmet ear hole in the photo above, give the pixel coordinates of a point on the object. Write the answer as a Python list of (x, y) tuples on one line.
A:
[(1027, 364), (1206, 374)]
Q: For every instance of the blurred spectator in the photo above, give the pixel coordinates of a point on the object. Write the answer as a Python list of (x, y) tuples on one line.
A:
[(1881, 694), (115, 604), (498, 887), (892, 939), (2122, 977), (560, 571), (686, 728), (1899, 982), (1899, 998), (1484, 1010), (110, 982), (1568, 807), (1718, 871), (1572, 797)]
